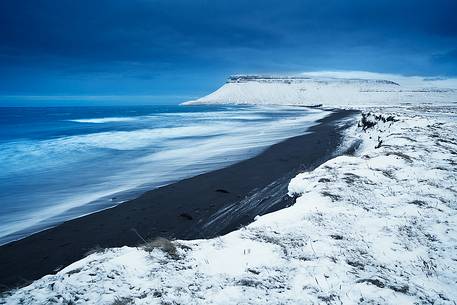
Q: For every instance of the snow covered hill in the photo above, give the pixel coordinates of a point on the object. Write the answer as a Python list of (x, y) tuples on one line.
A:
[(376, 227), (332, 88)]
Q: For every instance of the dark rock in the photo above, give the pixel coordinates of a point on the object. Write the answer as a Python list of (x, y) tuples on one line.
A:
[(332, 196), (355, 264), (375, 282), (186, 216), (379, 143), (222, 191), (402, 289)]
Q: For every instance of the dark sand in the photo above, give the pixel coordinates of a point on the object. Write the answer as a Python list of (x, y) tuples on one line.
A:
[(204, 206)]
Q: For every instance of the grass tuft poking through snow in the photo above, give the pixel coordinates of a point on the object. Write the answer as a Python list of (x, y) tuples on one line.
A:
[(122, 301), (163, 244), (375, 227)]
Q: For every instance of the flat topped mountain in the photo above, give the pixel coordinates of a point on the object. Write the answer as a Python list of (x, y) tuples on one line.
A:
[(331, 91), (304, 79)]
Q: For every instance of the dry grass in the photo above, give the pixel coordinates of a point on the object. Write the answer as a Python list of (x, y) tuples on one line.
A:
[(122, 301), (163, 244), (96, 249)]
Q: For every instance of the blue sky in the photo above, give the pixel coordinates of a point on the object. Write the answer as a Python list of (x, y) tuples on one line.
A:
[(164, 51)]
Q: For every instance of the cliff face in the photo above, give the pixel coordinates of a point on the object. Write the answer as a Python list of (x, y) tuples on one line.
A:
[(307, 79), (312, 90)]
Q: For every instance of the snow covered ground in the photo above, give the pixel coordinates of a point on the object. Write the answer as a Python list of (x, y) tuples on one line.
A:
[(376, 227)]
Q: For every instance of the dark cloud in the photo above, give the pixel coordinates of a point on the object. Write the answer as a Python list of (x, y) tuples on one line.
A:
[(205, 39)]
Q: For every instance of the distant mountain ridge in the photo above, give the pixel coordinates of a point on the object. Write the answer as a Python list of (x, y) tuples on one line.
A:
[(312, 90), (301, 79)]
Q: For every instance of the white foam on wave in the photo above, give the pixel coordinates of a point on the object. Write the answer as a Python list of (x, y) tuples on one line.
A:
[(105, 120), (62, 205), (82, 146), (198, 124)]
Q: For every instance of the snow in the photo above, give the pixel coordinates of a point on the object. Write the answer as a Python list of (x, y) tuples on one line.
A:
[(375, 227), (333, 88)]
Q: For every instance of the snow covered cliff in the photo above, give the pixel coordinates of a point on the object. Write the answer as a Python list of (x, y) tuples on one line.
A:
[(332, 89)]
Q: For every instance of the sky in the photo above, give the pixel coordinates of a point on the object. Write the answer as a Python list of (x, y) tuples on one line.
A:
[(85, 52)]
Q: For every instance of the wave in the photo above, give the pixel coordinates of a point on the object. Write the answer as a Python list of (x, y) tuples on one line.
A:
[(47, 178), (105, 120)]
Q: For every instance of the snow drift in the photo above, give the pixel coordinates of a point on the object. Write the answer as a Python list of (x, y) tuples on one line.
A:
[(332, 88)]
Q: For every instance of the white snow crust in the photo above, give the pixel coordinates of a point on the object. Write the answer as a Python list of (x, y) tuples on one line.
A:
[(375, 227)]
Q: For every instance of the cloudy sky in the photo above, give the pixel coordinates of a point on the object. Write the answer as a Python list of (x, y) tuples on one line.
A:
[(167, 51)]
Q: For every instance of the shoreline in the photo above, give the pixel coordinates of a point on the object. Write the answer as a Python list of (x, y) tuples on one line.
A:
[(203, 206)]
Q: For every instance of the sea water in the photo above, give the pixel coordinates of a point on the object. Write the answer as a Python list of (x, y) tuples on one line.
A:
[(59, 163)]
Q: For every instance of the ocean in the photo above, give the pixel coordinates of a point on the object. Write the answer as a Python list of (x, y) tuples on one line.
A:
[(60, 163)]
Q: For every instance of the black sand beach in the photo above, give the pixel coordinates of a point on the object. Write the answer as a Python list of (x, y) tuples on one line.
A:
[(200, 207)]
